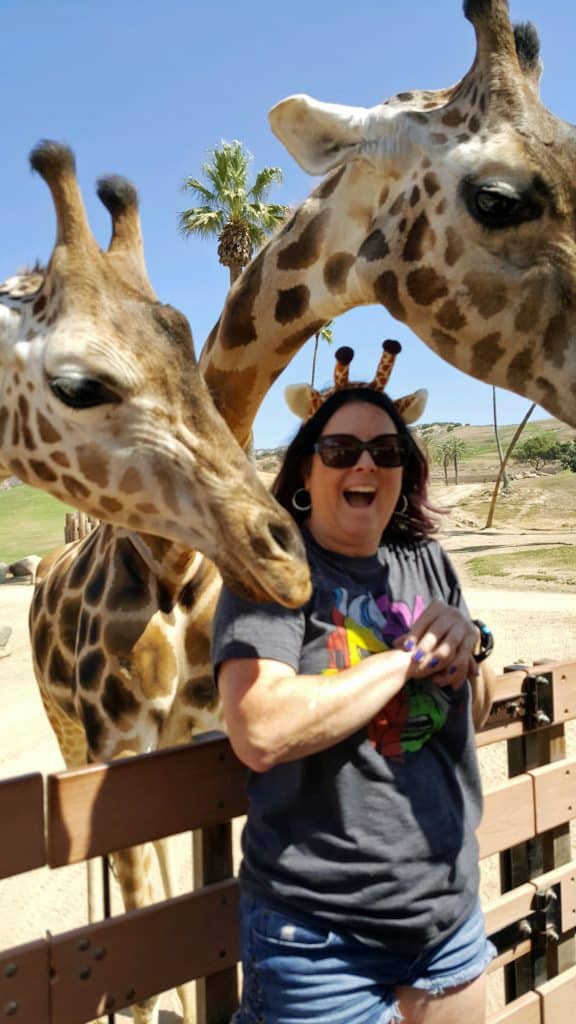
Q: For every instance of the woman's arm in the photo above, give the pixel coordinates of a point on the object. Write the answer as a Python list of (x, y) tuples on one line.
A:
[(274, 715), (483, 686)]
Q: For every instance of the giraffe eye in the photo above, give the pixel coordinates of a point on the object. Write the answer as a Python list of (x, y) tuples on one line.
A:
[(82, 392), (499, 205)]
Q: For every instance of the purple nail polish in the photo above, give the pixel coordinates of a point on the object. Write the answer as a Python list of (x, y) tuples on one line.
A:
[(452, 670), (408, 645), (418, 656), (434, 662)]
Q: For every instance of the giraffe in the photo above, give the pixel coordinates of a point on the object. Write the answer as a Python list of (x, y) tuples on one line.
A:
[(453, 209), (431, 208), (102, 405)]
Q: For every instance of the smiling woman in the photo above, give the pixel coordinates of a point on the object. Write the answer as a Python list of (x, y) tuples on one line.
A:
[(356, 717)]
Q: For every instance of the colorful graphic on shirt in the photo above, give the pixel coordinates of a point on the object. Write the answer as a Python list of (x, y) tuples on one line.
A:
[(364, 626)]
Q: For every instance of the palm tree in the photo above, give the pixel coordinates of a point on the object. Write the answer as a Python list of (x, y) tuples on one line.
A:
[(327, 334), (453, 450), (231, 209)]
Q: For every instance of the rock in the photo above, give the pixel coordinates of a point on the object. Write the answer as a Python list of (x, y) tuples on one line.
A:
[(25, 566), (3, 571), (5, 646)]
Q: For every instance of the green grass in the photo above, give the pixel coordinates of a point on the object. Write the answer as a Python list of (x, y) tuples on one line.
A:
[(546, 565), (31, 523)]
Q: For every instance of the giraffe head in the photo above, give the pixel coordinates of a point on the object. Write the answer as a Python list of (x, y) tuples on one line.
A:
[(103, 406), (455, 209)]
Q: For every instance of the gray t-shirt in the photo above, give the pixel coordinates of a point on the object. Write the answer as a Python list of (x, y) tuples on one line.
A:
[(375, 836)]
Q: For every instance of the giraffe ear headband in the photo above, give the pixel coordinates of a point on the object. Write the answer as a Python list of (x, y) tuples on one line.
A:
[(303, 400)]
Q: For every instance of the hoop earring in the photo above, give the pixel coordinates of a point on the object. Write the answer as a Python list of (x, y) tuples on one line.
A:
[(301, 500), (402, 505)]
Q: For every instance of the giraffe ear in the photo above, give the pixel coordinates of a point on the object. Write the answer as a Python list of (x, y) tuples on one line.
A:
[(322, 136), (298, 399), (412, 406)]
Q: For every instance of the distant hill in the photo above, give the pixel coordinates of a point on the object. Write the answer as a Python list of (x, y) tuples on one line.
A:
[(480, 458)]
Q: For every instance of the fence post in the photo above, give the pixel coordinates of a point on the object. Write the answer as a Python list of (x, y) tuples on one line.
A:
[(216, 996), (527, 860)]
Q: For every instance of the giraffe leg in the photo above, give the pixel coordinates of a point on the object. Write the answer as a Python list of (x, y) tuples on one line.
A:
[(163, 849), (133, 872)]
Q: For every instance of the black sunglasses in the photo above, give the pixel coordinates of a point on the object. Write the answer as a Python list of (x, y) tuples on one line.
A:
[(341, 451)]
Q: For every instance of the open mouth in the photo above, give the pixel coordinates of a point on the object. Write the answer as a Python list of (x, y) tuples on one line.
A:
[(359, 497)]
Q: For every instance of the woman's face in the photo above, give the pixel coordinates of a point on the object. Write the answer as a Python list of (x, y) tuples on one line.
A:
[(351, 507)]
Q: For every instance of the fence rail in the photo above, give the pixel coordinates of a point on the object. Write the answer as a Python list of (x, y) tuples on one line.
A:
[(75, 976)]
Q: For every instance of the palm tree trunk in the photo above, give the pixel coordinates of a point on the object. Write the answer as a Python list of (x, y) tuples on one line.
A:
[(494, 498), (235, 270), (505, 480)]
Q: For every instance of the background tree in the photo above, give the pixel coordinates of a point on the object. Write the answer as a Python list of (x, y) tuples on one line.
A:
[(538, 450), (567, 455), (453, 451), (232, 210), (326, 333)]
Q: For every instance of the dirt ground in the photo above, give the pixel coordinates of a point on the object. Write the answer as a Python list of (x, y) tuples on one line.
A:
[(528, 625)]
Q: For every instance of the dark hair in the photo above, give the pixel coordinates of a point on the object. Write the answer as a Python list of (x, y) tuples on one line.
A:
[(411, 523)]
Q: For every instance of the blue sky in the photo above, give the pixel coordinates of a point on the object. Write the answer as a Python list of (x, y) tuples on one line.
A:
[(145, 89)]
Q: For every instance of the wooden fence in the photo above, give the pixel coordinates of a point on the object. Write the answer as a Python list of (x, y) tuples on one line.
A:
[(72, 977)]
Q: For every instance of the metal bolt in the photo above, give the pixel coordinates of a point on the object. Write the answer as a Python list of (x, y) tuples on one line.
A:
[(542, 718), (85, 973), (99, 953), (525, 928), (10, 970), (83, 945), (11, 1009), (131, 995)]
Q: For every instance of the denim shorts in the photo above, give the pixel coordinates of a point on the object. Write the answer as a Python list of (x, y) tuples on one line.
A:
[(295, 973)]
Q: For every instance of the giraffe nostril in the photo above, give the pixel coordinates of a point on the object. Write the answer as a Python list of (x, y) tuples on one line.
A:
[(282, 536)]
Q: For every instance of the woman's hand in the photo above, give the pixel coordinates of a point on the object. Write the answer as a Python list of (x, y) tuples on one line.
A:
[(442, 642)]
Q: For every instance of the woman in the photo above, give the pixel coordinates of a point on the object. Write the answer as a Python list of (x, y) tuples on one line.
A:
[(355, 715)]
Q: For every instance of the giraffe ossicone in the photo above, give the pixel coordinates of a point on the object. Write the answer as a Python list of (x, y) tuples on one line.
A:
[(103, 406)]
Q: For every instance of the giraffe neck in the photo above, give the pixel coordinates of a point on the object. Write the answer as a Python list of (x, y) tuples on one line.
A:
[(311, 271)]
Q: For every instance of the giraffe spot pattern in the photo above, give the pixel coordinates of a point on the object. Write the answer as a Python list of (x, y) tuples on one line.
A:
[(387, 293), (325, 190), (292, 303), (486, 352), (67, 623), (130, 580), (486, 293), (238, 321), (93, 725), (93, 464), (452, 118), (415, 196), (425, 286), (397, 205), (454, 247), (420, 238), (556, 338), (130, 482), (374, 247), (336, 270), (3, 425), (110, 505), (431, 184), (95, 586), (201, 692), (90, 668), (42, 471), (59, 671), (305, 250), (444, 344), (528, 313), (75, 487), (450, 316), (48, 433), (117, 700), (520, 369)]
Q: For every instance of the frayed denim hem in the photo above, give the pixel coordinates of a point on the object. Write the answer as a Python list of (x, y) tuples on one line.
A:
[(439, 986)]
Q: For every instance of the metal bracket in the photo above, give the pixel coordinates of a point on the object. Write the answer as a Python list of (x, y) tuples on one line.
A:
[(547, 925), (533, 705)]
